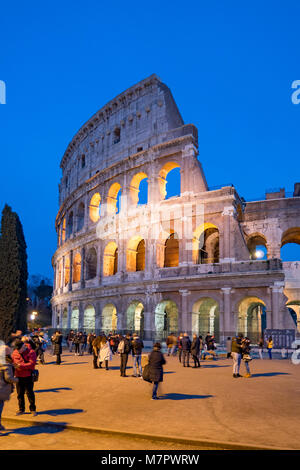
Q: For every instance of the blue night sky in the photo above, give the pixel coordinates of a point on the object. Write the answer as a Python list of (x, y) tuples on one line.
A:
[(230, 66)]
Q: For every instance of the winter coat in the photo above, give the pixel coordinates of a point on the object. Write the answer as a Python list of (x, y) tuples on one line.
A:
[(26, 361), (236, 345), (195, 347), (127, 346), (156, 361), (57, 344), (105, 352), (7, 380), (137, 346), (186, 343)]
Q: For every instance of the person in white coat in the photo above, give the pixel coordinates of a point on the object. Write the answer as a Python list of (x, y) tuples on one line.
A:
[(105, 353)]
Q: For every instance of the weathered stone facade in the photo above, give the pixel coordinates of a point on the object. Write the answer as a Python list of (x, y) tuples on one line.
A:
[(183, 263)]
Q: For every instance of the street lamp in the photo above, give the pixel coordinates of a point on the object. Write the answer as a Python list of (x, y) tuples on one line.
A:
[(33, 315)]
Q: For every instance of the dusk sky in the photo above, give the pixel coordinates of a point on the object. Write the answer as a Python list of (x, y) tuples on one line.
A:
[(230, 66)]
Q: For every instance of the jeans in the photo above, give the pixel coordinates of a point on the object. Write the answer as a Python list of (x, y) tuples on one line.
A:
[(173, 350), (1, 408), (154, 391), (185, 356), (236, 362), (137, 362), (260, 352), (124, 359), (270, 353), (70, 346), (247, 367), (25, 384)]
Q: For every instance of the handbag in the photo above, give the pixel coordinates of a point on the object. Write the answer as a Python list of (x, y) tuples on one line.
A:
[(146, 373), (247, 358), (35, 375)]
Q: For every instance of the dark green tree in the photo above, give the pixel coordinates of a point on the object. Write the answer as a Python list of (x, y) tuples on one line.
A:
[(13, 275)]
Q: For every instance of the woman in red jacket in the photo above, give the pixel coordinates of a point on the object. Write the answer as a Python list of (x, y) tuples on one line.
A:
[(24, 359)]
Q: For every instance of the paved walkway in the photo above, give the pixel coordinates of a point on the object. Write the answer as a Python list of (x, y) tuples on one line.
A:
[(197, 404)]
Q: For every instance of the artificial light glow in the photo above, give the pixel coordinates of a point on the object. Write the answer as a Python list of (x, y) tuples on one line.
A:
[(259, 254)]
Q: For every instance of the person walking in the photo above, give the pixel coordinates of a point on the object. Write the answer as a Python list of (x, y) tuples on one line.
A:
[(236, 354), (270, 346), (124, 349), (195, 347), (24, 360), (186, 349), (261, 347), (57, 340), (156, 362), (137, 348), (245, 349), (105, 354), (7, 379)]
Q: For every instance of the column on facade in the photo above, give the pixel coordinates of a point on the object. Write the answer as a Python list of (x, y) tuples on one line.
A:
[(99, 261), (71, 271), (69, 315), (81, 316), (185, 319), (277, 302), (63, 273), (151, 300), (228, 328), (82, 270), (227, 248)]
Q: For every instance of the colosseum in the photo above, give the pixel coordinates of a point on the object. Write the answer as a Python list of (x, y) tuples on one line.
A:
[(132, 257)]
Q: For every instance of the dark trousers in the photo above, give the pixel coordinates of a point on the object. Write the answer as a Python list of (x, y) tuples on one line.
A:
[(186, 357), (58, 359), (76, 348), (25, 385), (124, 359), (179, 354), (95, 365), (196, 360), (154, 390)]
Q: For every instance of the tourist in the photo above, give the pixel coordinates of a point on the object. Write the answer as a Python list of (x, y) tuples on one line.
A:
[(24, 360), (174, 345), (70, 339), (236, 354), (124, 349), (169, 343), (270, 346), (201, 347), (84, 342), (195, 346), (96, 348), (156, 361), (211, 345), (186, 349), (105, 354), (7, 379), (137, 348), (76, 341), (90, 339), (179, 346), (228, 347), (57, 340), (245, 350), (81, 343), (261, 347)]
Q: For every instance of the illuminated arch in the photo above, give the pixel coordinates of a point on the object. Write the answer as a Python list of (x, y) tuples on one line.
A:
[(135, 256), (257, 241), (67, 270), (166, 319), (206, 317), (169, 166), (205, 244), (251, 319), (94, 208), (135, 317), (112, 198), (77, 268), (91, 263), (89, 319), (110, 259), (109, 318), (171, 255), (135, 187)]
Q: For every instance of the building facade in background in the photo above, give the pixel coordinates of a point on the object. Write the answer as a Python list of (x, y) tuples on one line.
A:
[(131, 258)]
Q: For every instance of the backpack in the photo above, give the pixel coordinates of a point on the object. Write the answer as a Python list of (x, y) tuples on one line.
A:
[(121, 347)]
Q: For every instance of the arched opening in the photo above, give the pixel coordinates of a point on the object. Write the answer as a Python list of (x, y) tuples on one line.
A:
[(166, 319), (290, 245), (114, 199), (70, 225), (80, 217), (63, 231), (109, 318), (135, 318), (294, 310), (171, 254), (77, 268), (169, 180), (257, 246), (89, 319), (64, 319), (75, 319), (252, 319), (59, 279), (136, 254), (94, 208), (139, 189), (91, 264), (110, 259), (67, 270), (206, 318), (206, 244)]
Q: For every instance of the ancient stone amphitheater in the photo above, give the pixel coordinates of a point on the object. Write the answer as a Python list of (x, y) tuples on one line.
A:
[(132, 258)]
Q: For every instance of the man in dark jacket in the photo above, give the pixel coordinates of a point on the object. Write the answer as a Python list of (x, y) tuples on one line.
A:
[(137, 347), (57, 341), (195, 350), (186, 348), (156, 361), (126, 348), (236, 353)]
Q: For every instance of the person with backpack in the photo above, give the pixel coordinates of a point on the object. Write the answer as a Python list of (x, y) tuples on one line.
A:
[(24, 360), (137, 348), (245, 349), (57, 340), (7, 379), (156, 362), (124, 349), (186, 349)]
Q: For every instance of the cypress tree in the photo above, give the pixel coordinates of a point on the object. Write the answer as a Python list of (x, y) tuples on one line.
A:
[(13, 275)]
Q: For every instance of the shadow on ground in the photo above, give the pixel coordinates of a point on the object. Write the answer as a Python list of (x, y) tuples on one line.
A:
[(34, 430), (270, 374), (56, 390), (62, 411), (182, 396)]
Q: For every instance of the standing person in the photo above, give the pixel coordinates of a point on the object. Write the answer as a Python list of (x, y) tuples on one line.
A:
[(58, 346), (52, 343), (81, 343), (236, 354), (90, 339), (261, 347), (156, 362), (245, 347), (70, 340), (84, 341), (228, 347), (124, 349), (270, 346), (195, 347), (24, 361), (7, 379), (105, 354), (96, 348), (179, 346), (186, 349), (169, 343), (76, 341), (137, 348), (201, 346)]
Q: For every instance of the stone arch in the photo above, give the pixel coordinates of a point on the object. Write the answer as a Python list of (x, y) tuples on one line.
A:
[(135, 317), (70, 225), (94, 207), (256, 243), (135, 187), (251, 319), (63, 231), (171, 251), (77, 267), (80, 216), (109, 318), (64, 319), (75, 318), (89, 318), (294, 310), (163, 175), (206, 317), (206, 244), (290, 237), (112, 198), (135, 256), (91, 263), (166, 319), (67, 270), (110, 259)]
